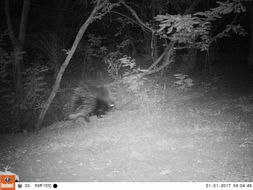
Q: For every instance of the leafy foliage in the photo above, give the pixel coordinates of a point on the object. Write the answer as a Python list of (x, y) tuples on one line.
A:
[(34, 87), (92, 50), (118, 64), (130, 76), (194, 30), (6, 78), (123, 69), (185, 29), (114, 65), (5, 64), (51, 47), (34, 91), (95, 49)]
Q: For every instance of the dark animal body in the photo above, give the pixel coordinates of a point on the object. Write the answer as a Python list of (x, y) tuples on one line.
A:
[(87, 101)]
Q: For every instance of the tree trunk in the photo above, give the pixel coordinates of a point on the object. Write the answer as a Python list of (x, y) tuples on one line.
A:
[(133, 51), (97, 13), (192, 53), (191, 60), (17, 45), (250, 56), (147, 43), (154, 47)]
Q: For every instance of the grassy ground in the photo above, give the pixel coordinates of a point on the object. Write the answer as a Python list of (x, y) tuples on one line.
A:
[(165, 136)]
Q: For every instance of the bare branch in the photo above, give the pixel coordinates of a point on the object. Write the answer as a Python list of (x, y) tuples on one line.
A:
[(131, 20), (167, 51), (22, 27), (192, 7), (13, 38), (136, 17)]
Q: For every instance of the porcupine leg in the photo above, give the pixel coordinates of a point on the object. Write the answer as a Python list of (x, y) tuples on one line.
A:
[(80, 112)]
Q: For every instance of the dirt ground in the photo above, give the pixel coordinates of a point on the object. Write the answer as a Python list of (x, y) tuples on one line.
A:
[(192, 137)]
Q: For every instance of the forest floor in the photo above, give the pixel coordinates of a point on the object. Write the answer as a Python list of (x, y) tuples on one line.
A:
[(189, 137)]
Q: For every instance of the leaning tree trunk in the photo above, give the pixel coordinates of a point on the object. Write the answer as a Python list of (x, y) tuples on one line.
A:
[(101, 8)]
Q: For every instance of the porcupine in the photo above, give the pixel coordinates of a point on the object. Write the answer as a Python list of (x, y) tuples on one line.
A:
[(87, 101)]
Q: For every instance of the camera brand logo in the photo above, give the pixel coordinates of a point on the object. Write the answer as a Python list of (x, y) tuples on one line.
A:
[(7, 182)]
